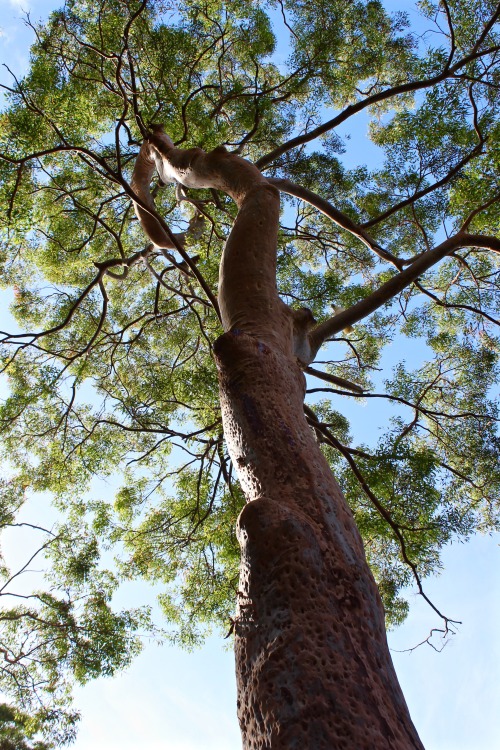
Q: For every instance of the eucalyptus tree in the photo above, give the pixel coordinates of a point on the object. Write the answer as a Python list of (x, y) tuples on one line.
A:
[(167, 308)]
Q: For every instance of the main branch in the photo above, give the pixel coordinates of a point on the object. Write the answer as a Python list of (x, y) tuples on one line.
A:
[(396, 284)]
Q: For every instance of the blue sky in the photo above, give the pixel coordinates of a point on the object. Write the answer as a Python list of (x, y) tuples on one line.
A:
[(180, 701)]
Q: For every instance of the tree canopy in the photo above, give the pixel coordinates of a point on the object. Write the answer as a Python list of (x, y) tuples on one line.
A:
[(108, 358)]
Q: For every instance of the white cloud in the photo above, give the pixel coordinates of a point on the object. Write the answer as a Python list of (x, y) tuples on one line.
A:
[(20, 4)]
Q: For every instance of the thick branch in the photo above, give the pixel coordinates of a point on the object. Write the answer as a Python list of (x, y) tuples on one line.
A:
[(338, 217), (395, 285), (336, 380), (154, 226), (142, 175)]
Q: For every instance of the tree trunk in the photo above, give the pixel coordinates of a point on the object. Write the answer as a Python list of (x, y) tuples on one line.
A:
[(313, 667)]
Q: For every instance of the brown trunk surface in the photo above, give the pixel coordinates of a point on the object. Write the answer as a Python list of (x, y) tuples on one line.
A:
[(313, 667)]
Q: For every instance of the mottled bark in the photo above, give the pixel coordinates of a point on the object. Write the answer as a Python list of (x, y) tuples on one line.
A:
[(313, 667)]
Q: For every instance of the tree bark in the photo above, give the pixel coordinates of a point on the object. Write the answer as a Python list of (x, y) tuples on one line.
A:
[(313, 667)]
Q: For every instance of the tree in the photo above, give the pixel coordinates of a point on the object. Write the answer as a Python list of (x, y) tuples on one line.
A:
[(146, 359)]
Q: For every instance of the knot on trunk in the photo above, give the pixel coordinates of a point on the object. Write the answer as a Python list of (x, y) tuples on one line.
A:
[(303, 322)]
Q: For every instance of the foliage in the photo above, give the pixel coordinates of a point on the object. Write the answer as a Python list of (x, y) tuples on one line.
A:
[(108, 357)]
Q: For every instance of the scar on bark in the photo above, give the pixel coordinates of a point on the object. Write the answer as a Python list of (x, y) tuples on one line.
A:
[(303, 322)]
